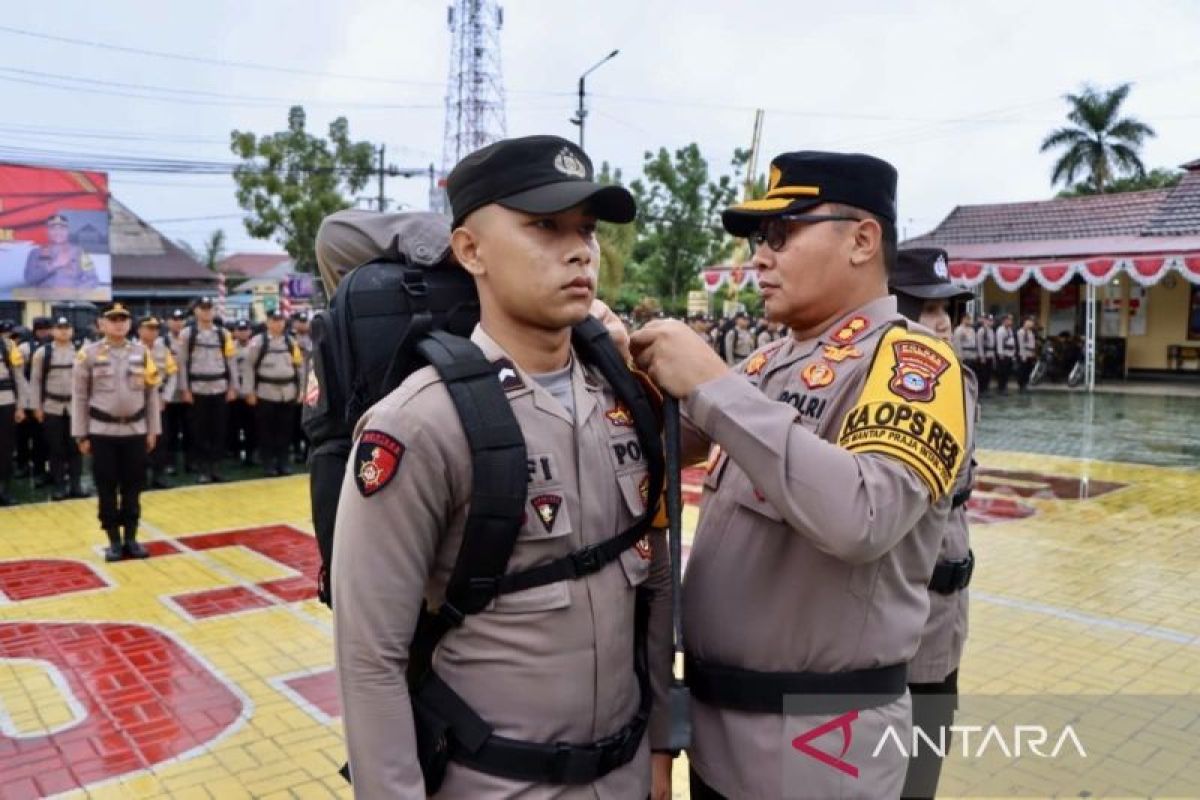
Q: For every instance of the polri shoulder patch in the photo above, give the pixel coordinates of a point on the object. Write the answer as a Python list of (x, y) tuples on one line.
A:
[(376, 461), (312, 391), (913, 409)]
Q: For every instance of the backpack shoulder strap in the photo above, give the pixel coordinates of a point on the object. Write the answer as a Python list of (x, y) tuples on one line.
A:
[(498, 466), (46, 354)]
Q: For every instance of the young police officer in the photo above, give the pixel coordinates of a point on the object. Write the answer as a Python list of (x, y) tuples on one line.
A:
[(115, 417), (549, 668), (51, 388), (826, 496), (923, 296), (271, 375), (208, 382), (13, 389)]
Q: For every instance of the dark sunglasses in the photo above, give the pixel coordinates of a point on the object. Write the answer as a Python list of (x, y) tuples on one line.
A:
[(774, 232)]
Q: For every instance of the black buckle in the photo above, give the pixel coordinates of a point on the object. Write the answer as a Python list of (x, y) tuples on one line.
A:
[(572, 764), (451, 614), (586, 560), (964, 570)]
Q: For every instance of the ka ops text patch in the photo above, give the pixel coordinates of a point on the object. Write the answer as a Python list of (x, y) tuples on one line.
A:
[(912, 409)]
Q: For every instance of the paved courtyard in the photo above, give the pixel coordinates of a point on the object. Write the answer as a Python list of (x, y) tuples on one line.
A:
[(205, 671)]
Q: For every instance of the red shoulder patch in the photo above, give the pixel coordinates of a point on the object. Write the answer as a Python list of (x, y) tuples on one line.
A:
[(376, 461), (547, 506)]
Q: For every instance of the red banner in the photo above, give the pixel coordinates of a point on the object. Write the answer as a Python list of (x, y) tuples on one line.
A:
[(54, 235)]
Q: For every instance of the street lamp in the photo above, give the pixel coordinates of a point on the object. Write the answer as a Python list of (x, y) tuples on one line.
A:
[(581, 113)]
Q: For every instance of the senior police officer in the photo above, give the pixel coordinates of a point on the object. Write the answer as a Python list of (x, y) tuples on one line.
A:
[(208, 383), (551, 664), (58, 264), (168, 369), (271, 373), (13, 400), (51, 387), (924, 296), (827, 493), (115, 418)]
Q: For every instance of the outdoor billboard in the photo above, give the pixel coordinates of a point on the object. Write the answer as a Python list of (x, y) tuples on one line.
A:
[(54, 235)]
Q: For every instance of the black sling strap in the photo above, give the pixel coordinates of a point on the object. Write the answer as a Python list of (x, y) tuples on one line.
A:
[(193, 331), (262, 353)]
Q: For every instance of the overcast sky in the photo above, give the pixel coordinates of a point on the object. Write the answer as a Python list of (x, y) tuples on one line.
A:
[(956, 94)]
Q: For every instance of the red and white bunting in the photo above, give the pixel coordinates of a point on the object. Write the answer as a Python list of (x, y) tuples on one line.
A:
[(715, 278), (1052, 276)]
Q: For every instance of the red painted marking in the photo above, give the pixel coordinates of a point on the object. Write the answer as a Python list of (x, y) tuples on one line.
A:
[(146, 700), (319, 689), (988, 509), (216, 602), (46, 577), (161, 547), (280, 543)]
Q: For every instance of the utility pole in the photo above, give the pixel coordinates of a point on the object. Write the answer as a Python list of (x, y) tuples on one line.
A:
[(581, 113), (382, 171)]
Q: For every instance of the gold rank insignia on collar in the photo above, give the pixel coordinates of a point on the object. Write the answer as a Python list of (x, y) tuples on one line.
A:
[(839, 353)]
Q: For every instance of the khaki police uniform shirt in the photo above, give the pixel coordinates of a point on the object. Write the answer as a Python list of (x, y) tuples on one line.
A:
[(1006, 342), (12, 376), (987, 343), (56, 376), (826, 499), (965, 343), (1026, 344), (281, 363), (548, 664), (239, 360), (738, 344), (174, 343), (117, 381), (945, 631), (168, 369), (214, 357), (26, 349)]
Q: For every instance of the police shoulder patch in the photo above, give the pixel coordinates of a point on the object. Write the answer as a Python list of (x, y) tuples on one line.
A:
[(376, 461), (912, 408)]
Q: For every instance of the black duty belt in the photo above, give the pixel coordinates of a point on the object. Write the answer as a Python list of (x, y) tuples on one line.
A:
[(206, 376), (960, 499), (952, 576), (7, 385), (275, 381), (812, 692), (104, 416), (62, 398)]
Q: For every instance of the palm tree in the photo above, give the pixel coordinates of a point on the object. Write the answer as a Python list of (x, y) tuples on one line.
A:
[(1101, 143)]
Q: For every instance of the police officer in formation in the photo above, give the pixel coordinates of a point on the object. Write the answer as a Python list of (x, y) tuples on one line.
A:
[(923, 296), (168, 369), (208, 381), (1027, 352), (1006, 353), (300, 328), (51, 387), (33, 453), (554, 663), (271, 373), (825, 502), (115, 418), (175, 428), (241, 439), (13, 400), (966, 341), (739, 340), (985, 353)]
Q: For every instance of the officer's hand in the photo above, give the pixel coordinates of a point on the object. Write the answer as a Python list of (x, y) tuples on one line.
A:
[(660, 776), (39, 415), (85, 447), (19, 415), (616, 328), (675, 357), (230, 395), (151, 440), (186, 396), (251, 399)]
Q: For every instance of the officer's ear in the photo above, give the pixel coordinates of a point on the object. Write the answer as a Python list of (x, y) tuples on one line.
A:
[(868, 242), (465, 244)]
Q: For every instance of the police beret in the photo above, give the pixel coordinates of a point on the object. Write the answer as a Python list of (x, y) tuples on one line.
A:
[(807, 178), (924, 272), (537, 175)]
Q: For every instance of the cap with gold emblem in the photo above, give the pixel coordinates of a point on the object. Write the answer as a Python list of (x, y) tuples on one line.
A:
[(537, 175), (115, 311), (149, 321), (808, 178)]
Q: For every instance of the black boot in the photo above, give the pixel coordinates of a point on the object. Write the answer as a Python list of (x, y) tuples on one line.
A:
[(6, 499), (114, 550), (132, 548)]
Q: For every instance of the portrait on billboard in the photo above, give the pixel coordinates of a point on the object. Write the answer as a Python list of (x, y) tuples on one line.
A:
[(54, 235)]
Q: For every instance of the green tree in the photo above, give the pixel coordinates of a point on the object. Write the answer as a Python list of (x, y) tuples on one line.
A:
[(289, 181), (211, 251), (616, 245), (1099, 143), (1157, 178), (679, 220)]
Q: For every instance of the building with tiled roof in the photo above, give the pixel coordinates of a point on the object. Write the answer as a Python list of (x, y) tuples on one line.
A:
[(1140, 251), (251, 265)]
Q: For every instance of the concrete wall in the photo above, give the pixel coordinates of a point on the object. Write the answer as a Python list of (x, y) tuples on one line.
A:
[(1166, 323)]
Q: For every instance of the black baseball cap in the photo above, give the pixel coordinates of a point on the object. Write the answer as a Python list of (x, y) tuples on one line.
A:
[(300, 316), (204, 302), (537, 175), (276, 314), (62, 322), (39, 323), (807, 178), (242, 325), (179, 313), (924, 272)]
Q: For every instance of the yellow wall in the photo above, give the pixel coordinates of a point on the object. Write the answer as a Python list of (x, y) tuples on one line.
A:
[(993, 295), (1166, 323)]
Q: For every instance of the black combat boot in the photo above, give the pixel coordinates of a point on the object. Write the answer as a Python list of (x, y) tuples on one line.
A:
[(114, 550), (132, 548)]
